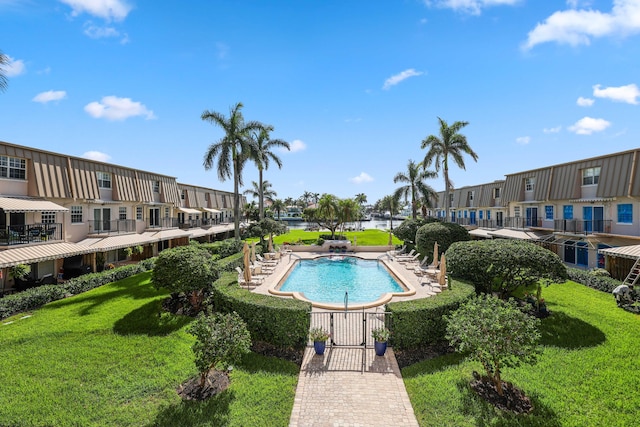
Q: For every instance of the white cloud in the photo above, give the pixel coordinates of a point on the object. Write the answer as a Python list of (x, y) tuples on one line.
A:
[(628, 93), (297, 145), (114, 108), (552, 130), (523, 140), (108, 10), (394, 80), (589, 125), (15, 67), (96, 155), (578, 26), (585, 102), (51, 95), (98, 32), (473, 7), (362, 178)]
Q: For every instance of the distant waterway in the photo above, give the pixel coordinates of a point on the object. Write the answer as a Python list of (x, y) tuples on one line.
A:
[(380, 224)]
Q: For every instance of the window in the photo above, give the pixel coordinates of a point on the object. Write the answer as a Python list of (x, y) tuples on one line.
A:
[(48, 217), (548, 212), (122, 213), (104, 180), (567, 212), (156, 186), (450, 199), (182, 194), (139, 213), (488, 214), (516, 211), (625, 213), (470, 196), (166, 212), (529, 184), (76, 214), (590, 176), (13, 168), (496, 193), (480, 214)]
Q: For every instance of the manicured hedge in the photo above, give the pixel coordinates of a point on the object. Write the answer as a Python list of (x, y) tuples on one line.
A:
[(33, 298), (420, 322), (444, 233), (281, 322), (593, 280)]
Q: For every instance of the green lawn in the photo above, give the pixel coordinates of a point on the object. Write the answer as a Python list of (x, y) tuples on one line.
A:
[(105, 358), (588, 375), (368, 237)]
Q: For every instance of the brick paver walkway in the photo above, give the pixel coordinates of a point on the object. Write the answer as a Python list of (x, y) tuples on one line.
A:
[(333, 391)]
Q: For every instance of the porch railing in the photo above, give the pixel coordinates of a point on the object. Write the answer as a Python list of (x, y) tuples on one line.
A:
[(30, 233), (113, 226), (166, 222), (582, 226)]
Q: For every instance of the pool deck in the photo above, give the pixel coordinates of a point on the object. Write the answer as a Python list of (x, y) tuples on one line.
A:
[(333, 390)]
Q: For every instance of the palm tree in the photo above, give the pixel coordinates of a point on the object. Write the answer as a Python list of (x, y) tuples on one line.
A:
[(289, 201), (4, 61), (278, 206), (232, 151), (361, 198), (415, 186), (349, 210), (391, 204), (267, 193), (264, 155), (450, 143)]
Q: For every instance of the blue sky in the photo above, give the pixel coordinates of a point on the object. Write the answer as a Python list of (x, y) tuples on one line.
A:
[(353, 86)]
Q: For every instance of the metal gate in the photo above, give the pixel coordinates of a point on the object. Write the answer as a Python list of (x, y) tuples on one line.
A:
[(350, 329)]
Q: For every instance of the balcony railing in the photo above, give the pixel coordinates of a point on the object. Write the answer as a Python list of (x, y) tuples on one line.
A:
[(582, 226), (487, 223), (112, 227), (162, 223), (30, 233), (521, 222)]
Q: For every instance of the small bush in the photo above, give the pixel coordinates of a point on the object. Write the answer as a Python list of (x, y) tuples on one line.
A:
[(595, 281), (444, 233)]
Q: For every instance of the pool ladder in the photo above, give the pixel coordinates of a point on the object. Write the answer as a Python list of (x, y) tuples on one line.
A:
[(346, 303)]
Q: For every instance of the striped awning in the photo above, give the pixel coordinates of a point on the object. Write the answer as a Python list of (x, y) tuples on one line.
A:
[(630, 251), (11, 204), (190, 211), (173, 233), (200, 232), (116, 242), (215, 211), (38, 253), (507, 233), (481, 232)]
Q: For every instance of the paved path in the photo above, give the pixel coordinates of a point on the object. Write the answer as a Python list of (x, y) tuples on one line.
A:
[(333, 391)]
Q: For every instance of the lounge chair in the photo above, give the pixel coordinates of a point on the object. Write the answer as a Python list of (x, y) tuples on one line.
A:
[(404, 256), (408, 259)]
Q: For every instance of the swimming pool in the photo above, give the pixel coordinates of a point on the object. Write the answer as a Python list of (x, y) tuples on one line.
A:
[(325, 280)]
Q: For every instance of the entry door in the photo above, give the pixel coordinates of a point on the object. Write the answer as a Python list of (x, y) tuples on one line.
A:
[(587, 217), (102, 219), (598, 219), (499, 219), (154, 217), (532, 217), (472, 217), (583, 254), (570, 252)]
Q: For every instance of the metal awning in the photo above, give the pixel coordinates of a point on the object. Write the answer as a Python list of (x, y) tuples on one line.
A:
[(11, 204), (593, 200), (116, 242), (190, 211), (38, 253), (566, 241), (215, 211), (631, 251), (481, 232), (507, 233), (173, 233), (200, 232)]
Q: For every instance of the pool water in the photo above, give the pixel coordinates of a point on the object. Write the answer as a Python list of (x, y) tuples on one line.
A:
[(327, 279)]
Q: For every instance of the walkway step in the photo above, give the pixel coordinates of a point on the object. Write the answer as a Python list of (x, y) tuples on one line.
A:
[(333, 391)]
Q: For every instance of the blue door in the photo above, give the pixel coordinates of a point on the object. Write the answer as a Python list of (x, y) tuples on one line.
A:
[(598, 219), (472, 217), (532, 217), (582, 254)]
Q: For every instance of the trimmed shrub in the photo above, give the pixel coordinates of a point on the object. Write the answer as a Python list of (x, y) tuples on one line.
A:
[(420, 322), (407, 230), (503, 265), (445, 233), (223, 248), (184, 269), (281, 322), (595, 281)]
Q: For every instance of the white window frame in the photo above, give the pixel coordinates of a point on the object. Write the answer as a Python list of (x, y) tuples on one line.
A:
[(13, 168), (48, 217), (139, 213), (76, 213), (529, 184), (104, 179), (591, 176), (156, 186), (122, 213), (496, 193)]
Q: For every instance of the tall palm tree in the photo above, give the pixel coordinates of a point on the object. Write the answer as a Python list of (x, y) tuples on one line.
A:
[(278, 206), (232, 151), (289, 201), (349, 210), (264, 155), (361, 198), (450, 143), (267, 193), (4, 61), (415, 187), (391, 204)]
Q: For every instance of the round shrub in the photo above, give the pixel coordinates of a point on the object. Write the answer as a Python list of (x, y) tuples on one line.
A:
[(503, 265), (407, 230), (184, 269), (445, 233)]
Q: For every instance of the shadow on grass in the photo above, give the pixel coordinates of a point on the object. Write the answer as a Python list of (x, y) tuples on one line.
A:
[(560, 330), (150, 320), (211, 412), (253, 363), (431, 366), (486, 414)]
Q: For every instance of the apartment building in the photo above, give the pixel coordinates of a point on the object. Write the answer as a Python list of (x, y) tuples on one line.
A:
[(587, 211), (61, 213)]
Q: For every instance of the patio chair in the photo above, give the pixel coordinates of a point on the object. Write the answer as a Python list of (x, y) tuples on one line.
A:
[(405, 256), (409, 259)]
